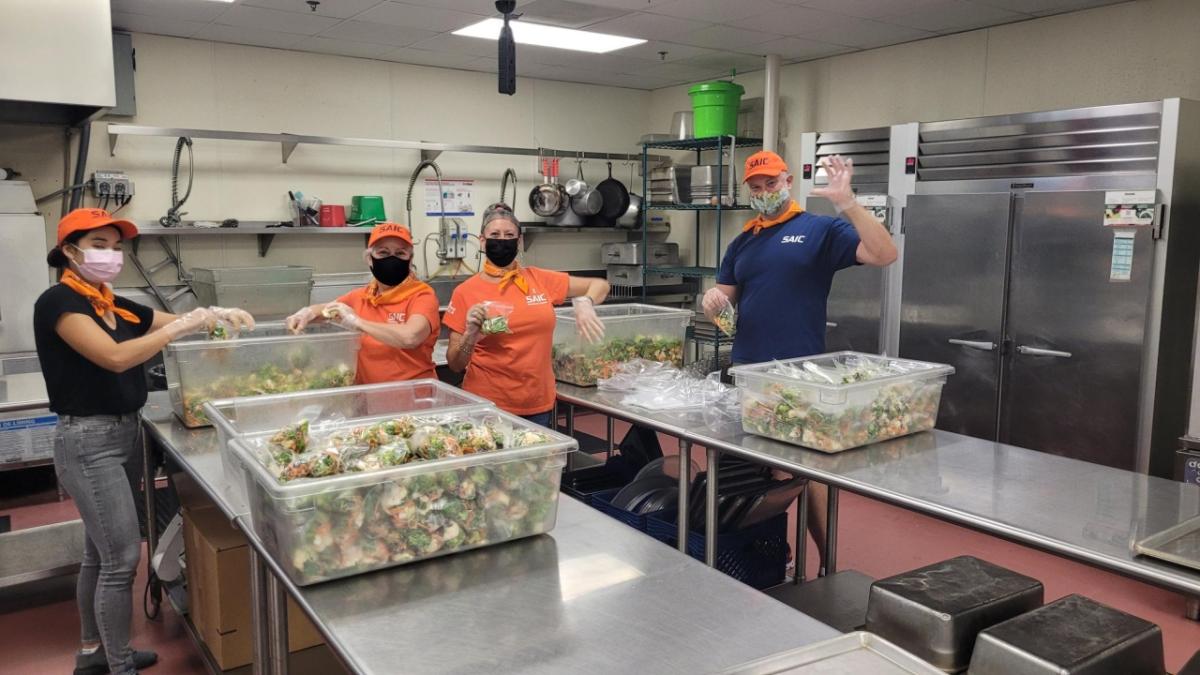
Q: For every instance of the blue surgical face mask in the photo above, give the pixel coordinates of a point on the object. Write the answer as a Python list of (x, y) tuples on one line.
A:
[(769, 203)]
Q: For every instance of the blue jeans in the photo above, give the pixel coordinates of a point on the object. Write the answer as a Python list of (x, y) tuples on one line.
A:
[(541, 418), (98, 460)]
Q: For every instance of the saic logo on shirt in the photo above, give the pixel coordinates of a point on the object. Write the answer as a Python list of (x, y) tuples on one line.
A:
[(536, 299), (450, 308), (396, 317), (793, 239)]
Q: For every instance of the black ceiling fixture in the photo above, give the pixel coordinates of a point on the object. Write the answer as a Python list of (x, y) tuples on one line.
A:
[(507, 49), (312, 4)]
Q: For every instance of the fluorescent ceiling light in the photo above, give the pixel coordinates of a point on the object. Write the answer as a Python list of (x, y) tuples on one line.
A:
[(550, 36)]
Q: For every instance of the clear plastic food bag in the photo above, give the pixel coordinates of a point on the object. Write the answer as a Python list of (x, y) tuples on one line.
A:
[(726, 319), (497, 318)]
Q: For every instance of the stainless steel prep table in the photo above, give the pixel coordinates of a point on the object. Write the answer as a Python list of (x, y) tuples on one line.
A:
[(591, 596), (23, 391), (1072, 508)]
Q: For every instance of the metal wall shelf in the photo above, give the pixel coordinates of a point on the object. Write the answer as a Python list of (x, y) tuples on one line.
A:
[(685, 271), (260, 229), (670, 206), (289, 142), (710, 143)]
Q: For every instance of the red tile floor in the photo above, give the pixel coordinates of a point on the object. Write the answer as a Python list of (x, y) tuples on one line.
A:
[(39, 629)]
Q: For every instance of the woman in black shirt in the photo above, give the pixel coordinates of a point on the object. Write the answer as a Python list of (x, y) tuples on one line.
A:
[(92, 346)]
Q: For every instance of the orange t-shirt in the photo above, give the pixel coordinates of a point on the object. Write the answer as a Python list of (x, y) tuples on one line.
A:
[(378, 362), (513, 370)]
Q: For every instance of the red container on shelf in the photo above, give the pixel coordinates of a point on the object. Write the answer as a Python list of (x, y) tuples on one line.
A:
[(333, 215)]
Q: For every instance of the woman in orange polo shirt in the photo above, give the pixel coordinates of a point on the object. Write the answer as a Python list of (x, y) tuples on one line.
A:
[(396, 312), (513, 369)]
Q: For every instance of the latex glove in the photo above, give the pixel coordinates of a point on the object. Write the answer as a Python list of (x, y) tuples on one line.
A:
[(195, 321), (340, 314), (298, 321), (714, 301), (475, 318), (587, 324), (238, 319), (839, 170)]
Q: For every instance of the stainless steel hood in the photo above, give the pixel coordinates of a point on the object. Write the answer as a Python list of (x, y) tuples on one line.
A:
[(58, 67)]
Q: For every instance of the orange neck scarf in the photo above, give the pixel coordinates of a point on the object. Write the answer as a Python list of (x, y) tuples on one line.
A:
[(760, 223), (515, 275), (407, 288), (102, 299)]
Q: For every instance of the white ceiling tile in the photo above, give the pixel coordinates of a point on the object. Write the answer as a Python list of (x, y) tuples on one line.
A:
[(483, 65), (338, 9), (955, 15), (417, 16), (799, 49), (485, 7), (240, 35), (636, 5), (423, 57), (648, 26), (273, 20), (795, 21), (672, 71), (726, 37), (865, 9), (1045, 7), (567, 13), (868, 34), (456, 44), (723, 62), (649, 51), (159, 25), (378, 33), (366, 50), (188, 10), (716, 11)]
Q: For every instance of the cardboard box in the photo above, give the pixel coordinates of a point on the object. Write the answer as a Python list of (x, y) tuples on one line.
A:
[(218, 571)]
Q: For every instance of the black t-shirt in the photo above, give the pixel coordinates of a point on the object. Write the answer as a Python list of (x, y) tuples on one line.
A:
[(75, 385)]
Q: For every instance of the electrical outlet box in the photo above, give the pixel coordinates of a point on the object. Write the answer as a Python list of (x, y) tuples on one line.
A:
[(111, 183)]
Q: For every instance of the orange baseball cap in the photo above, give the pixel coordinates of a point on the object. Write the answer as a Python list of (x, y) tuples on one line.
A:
[(82, 220), (764, 163), (385, 230)]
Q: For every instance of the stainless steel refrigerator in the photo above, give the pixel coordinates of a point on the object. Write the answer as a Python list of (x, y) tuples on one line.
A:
[(858, 308), (1051, 258), (23, 271)]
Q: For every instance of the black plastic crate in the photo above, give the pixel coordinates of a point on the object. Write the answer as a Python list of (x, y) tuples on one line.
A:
[(756, 556), (602, 502)]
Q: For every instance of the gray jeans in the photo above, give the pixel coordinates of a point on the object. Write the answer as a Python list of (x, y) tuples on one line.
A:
[(98, 460)]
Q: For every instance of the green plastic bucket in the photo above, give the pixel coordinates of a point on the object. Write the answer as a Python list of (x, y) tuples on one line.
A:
[(366, 210), (715, 108)]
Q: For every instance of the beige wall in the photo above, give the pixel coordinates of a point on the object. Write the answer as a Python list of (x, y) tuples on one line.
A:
[(191, 83), (1136, 51)]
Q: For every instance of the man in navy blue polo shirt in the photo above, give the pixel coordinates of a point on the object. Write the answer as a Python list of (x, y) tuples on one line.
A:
[(778, 271)]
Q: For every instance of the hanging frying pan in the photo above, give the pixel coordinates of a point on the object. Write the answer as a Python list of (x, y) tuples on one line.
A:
[(547, 200), (616, 198)]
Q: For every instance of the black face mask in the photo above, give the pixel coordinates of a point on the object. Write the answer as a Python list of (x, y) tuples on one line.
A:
[(390, 271), (501, 252)]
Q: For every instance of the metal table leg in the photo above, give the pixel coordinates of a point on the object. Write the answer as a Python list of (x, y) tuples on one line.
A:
[(801, 537), (831, 527), (155, 589), (1192, 610), (259, 614), (710, 509), (277, 628), (611, 448), (685, 462), (571, 433)]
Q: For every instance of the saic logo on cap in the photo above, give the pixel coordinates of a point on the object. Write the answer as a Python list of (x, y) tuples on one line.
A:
[(759, 162)]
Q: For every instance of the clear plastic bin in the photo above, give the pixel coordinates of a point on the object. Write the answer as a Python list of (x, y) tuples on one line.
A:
[(239, 417), (273, 290), (632, 331), (268, 360), (834, 402), (326, 528)]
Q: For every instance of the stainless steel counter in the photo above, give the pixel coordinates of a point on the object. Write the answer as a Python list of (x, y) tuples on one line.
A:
[(1072, 508), (593, 596), (23, 391)]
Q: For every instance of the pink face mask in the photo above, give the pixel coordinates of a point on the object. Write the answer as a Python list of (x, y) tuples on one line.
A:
[(100, 265)]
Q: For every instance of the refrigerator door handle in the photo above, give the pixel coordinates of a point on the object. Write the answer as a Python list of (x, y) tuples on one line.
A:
[(1036, 351), (974, 344), (830, 324)]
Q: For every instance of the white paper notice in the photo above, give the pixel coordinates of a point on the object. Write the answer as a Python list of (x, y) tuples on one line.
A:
[(456, 194), (1121, 268)]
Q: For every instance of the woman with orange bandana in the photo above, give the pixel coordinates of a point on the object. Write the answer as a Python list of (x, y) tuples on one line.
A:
[(512, 367), (396, 312), (92, 345)]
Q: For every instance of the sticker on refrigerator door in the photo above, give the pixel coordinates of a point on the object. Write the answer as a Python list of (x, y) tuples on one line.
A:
[(1131, 208), (456, 194), (1121, 268)]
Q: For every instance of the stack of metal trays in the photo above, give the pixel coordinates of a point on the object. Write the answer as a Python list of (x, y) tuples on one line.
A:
[(1072, 636), (670, 185), (850, 654), (708, 182)]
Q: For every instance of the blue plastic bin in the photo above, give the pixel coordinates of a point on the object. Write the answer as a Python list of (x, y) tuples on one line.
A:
[(756, 556)]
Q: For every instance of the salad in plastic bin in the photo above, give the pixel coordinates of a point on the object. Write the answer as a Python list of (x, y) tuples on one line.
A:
[(340, 501), (838, 401)]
